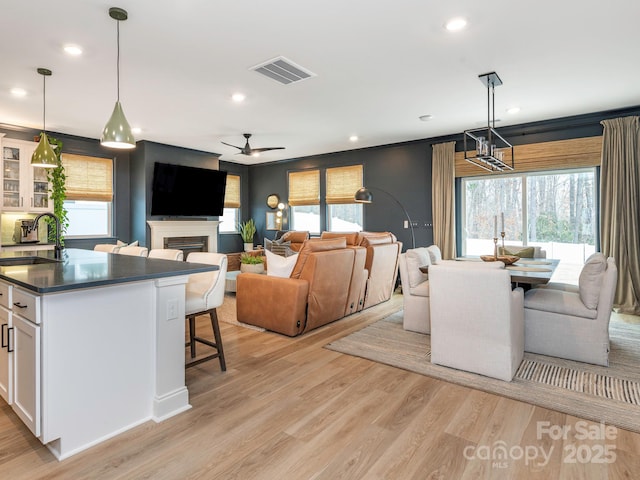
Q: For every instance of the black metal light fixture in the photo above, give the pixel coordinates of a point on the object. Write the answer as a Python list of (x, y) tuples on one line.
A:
[(490, 146), (363, 195), (117, 132), (43, 155)]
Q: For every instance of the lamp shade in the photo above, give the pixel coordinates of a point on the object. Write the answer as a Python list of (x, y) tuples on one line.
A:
[(363, 195), (44, 156), (117, 132)]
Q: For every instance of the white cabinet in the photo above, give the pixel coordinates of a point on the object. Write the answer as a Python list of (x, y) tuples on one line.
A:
[(20, 370), (24, 188)]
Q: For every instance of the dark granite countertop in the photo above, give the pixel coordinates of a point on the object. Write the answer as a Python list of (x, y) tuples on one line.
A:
[(87, 268)]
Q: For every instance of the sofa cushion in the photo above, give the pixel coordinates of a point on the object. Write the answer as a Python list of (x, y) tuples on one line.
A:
[(557, 301), (435, 254), (526, 252), (279, 266), (590, 280), (421, 290), (315, 245), (375, 238), (416, 258), (351, 237)]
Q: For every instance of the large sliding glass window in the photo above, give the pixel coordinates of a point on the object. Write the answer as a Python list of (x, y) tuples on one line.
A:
[(555, 210)]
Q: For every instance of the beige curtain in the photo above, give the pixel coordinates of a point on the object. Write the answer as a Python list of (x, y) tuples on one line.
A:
[(619, 207), (443, 199)]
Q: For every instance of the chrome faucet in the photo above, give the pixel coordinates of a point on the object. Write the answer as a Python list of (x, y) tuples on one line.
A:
[(58, 247)]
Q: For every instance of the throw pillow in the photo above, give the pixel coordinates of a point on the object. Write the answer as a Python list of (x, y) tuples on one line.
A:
[(414, 259), (133, 244), (435, 255), (267, 244), (280, 248), (278, 266), (527, 252), (590, 280)]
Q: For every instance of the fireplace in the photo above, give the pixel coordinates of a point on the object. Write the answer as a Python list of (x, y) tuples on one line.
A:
[(192, 235)]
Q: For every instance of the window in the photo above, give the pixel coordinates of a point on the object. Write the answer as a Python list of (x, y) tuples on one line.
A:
[(89, 197), (343, 213), (231, 214), (553, 210), (304, 200)]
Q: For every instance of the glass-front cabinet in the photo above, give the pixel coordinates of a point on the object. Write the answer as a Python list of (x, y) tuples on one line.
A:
[(24, 188)]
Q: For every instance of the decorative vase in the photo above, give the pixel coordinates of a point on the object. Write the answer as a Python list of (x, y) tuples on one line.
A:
[(252, 268), (248, 247)]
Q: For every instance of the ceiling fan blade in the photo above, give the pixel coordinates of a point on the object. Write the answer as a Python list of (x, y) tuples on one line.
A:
[(267, 149), (239, 148)]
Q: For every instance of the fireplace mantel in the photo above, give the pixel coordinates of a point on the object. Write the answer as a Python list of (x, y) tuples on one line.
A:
[(161, 229)]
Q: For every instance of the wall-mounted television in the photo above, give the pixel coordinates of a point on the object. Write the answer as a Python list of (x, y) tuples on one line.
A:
[(181, 191)]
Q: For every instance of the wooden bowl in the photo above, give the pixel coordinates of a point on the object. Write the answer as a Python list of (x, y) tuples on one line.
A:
[(506, 259)]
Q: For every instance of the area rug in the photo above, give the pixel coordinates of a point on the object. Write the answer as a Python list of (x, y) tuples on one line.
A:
[(602, 394)]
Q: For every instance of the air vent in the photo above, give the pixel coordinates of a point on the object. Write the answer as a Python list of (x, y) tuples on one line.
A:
[(283, 71)]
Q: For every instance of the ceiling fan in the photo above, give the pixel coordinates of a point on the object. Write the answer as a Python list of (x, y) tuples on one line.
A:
[(247, 150)]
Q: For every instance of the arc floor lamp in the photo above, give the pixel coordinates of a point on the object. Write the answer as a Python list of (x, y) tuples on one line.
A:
[(364, 196)]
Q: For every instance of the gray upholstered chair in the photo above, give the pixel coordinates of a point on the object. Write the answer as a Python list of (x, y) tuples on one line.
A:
[(477, 321), (204, 293), (166, 254), (573, 323)]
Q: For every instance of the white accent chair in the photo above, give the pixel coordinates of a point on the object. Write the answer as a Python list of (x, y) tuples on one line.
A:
[(415, 290), (573, 323), (133, 251), (107, 247), (167, 254), (477, 321), (204, 293)]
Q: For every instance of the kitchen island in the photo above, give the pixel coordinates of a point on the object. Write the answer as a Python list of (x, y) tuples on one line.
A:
[(93, 343)]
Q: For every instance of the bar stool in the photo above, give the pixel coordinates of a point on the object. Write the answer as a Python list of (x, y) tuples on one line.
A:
[(166, 253), (204, 293), (133, 251)]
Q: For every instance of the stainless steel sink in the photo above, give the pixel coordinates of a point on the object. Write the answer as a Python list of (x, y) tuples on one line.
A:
[(6, 262)]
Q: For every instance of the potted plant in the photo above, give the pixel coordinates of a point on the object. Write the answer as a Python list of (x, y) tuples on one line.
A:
[(251, 263), (247, 231)]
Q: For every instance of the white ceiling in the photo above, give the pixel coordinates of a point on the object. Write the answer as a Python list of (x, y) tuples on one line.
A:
[(379, 66)]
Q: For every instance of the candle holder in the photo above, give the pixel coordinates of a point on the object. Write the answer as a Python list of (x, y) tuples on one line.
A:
[(495, 248), (502, 235)]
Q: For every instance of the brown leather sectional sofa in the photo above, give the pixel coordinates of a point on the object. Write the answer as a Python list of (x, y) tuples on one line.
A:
[(334, 276)]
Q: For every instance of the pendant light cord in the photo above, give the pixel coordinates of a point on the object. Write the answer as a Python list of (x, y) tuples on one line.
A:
[(118, 58), (44, 103)]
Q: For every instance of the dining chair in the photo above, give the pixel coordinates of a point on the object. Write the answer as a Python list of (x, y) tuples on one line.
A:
[(204, 294), (133, 251), (166, 254), (106, 247)]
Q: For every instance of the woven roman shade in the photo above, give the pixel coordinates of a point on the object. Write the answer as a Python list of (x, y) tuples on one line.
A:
[(88, 178), (304, 188), (556, 155), (342, 184), (232, 192)]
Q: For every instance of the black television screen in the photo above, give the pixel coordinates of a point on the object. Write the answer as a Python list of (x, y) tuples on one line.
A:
[(183, 191)]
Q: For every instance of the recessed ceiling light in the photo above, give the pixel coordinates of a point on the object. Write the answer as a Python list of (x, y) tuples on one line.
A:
[(425, 118), (136, 130), (353, 138), (513, 110), (238, 97), (18, 92), (74, 50), (456, 24)]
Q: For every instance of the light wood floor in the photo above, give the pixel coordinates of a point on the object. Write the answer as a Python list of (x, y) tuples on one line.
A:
[(289, 409)]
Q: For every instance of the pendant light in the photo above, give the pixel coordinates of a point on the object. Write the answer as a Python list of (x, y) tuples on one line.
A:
[(117, 132), (44, 156)]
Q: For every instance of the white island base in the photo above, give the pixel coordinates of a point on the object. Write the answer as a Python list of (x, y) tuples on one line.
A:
[(112, 358)]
